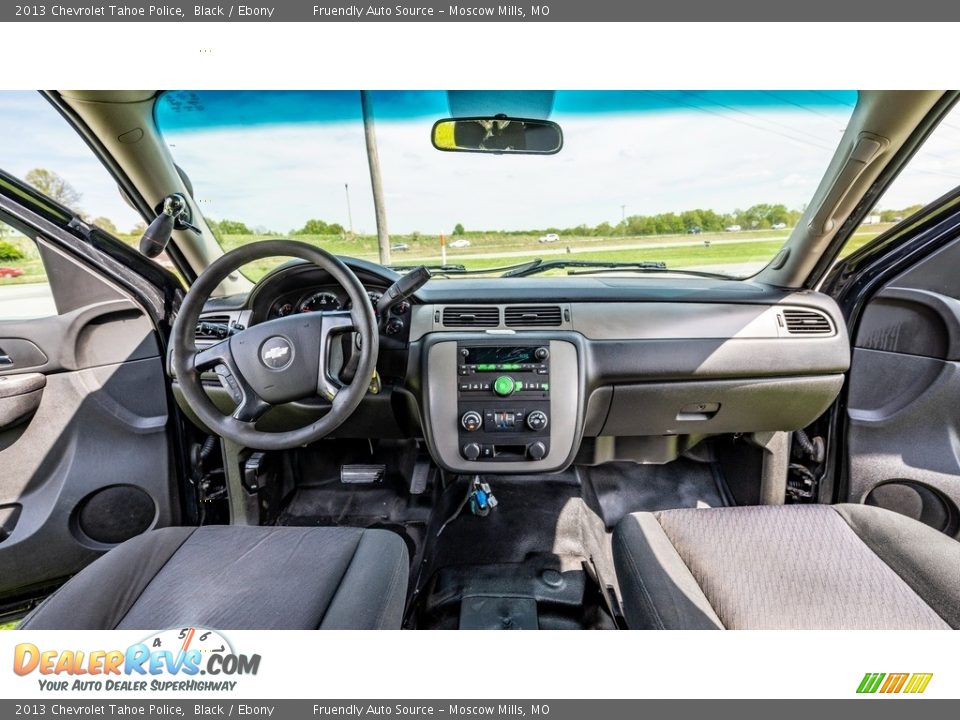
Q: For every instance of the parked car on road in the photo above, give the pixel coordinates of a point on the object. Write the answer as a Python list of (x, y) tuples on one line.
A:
[(399, 247), (779, 226), (10, 272), (733, 228), (695, 230), (461, 243), (548, 238)]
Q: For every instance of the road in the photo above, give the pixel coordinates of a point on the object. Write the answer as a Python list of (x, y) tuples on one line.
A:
[(26, 301)]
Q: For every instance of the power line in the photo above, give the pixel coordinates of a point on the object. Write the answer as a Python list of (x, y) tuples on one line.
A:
[(709, 111), (766, 119)]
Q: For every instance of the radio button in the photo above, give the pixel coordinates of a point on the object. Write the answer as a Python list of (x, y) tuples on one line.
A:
[(504, 385)]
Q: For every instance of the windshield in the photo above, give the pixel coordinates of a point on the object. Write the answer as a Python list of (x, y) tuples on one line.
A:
[(710, 181)]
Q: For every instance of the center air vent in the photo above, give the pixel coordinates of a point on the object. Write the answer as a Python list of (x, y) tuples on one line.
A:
[(471, 316), (213, 327), (807, 322), (533, 316)]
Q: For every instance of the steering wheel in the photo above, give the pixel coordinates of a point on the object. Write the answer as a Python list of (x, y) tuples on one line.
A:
[(277, 361)]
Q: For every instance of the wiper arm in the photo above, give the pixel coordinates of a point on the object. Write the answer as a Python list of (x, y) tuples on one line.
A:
[(436, 270), (654, 270), (537, 266), (431, 268)]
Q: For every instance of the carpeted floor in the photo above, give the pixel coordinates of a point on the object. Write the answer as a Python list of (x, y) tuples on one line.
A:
[(617, 489), (561, 520)]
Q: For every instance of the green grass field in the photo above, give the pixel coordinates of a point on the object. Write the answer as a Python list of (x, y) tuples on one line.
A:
[(737, 253), (8, 626), (734, 250)]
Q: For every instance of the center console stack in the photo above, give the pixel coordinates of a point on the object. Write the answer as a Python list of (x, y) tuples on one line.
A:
[(503, 401), (502, 405)]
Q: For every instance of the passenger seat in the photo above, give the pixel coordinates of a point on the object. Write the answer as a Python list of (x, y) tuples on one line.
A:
[(786, 567)]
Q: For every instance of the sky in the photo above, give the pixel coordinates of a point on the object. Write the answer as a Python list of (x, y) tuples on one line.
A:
[(632, 153)]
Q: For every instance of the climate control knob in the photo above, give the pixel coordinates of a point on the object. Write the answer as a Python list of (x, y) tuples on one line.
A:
[(537, 420), (471, 421), (471, 451), (541, 353)]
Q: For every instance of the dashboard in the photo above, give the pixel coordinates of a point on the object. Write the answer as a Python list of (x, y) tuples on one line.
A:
[(507, 375)]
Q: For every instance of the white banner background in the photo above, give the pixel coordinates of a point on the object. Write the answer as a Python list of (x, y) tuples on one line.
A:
[(531, 665)]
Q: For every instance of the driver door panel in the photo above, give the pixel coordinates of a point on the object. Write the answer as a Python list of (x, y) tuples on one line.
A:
[(84, 447)]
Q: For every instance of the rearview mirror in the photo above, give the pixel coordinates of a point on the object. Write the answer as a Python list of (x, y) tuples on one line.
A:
[(498, 135)]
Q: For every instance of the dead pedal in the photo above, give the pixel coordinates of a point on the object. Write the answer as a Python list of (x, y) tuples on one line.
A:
[(362, 474)]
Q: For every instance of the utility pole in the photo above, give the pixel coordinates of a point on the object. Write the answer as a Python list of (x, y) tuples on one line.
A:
[(623, 219), (346, 187), (376, 182)]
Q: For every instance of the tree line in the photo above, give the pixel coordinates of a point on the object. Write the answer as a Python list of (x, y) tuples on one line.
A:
[(757, 217)]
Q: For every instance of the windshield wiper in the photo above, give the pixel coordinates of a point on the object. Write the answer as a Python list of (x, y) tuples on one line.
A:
[(431, 268), (502, 271), (596, 267)]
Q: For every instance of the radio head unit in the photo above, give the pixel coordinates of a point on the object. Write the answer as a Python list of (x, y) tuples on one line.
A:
[(503, 401)]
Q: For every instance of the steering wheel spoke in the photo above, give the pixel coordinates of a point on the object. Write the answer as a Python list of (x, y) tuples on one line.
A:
[(219, 357), (332, 324), (251, 407), (212, 356)]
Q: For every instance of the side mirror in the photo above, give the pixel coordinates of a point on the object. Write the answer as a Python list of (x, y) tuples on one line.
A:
[(499, 135)]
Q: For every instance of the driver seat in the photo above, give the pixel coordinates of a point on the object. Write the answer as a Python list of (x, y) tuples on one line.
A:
[(237, 577)]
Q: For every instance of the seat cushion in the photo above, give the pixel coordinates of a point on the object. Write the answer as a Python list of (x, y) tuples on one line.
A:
[(238, 577), (786, 567)]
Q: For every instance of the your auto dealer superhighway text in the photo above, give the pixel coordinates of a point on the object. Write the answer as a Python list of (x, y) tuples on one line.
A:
[(158, 11)]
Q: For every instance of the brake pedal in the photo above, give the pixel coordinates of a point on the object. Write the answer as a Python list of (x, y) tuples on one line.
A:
[(419, 477)]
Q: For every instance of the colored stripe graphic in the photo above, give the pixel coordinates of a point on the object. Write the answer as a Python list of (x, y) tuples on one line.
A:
[(870, 682), (894, 683), (918, 682), (913, 683)]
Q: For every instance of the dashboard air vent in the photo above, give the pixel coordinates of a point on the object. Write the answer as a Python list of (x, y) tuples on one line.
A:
[(471, 316), (807, 322), (213, 327), (533, 316)]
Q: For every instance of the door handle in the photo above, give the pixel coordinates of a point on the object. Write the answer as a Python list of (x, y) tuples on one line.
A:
[(5, 360)]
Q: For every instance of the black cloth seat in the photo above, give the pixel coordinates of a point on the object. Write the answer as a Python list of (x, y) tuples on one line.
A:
[(786, 567), (234, 577)]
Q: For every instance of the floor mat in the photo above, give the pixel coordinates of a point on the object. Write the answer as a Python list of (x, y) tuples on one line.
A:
[(534, 515), (618, 489), (540, 529), (336, 503)]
